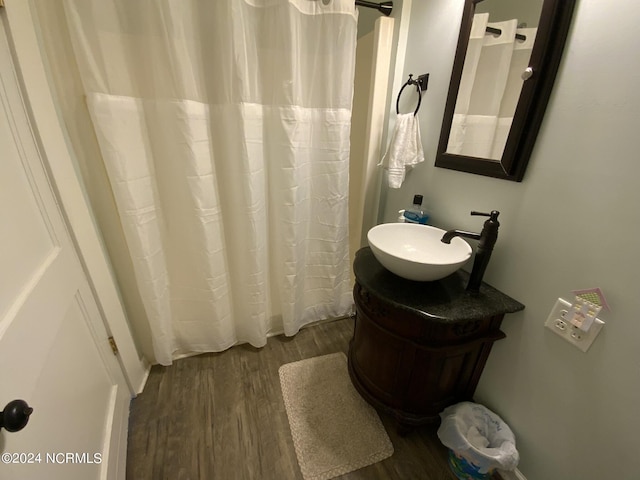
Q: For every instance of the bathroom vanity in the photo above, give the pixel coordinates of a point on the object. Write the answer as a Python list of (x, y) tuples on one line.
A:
[(419, 347)]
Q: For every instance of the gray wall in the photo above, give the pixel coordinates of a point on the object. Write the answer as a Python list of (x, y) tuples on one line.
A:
[(527, 11), (366, 20), (574, 222)]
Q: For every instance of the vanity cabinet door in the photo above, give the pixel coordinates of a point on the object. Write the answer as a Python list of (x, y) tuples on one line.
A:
[(412, 367), (378, 359), (443, 376)]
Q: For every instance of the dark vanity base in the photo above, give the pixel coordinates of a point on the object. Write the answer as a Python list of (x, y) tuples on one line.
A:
[(409, 362)]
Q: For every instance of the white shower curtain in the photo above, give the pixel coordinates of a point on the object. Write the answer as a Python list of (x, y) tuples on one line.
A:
[(224, 126), (489, 88)]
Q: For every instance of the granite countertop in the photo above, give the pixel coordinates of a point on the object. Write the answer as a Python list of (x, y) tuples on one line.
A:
[(443, 300)]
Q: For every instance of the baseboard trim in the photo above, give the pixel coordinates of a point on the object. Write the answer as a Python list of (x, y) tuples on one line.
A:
[(143, 380), (511, 475)]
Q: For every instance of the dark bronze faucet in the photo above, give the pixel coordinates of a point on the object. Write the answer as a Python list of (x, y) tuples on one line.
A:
[(487, 238)]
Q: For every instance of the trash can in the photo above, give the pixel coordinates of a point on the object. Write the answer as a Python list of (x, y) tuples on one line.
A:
[(479, 441)]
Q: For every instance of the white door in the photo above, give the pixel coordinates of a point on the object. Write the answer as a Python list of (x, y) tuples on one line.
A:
[(54, 352)]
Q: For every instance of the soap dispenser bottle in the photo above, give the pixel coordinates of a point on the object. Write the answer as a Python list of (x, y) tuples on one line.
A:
[(415, 213)]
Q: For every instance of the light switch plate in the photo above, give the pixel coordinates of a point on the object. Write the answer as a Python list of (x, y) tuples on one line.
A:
[(561, 327)]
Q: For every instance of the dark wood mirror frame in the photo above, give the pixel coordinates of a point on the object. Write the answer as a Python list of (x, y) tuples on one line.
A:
[(545, 59)]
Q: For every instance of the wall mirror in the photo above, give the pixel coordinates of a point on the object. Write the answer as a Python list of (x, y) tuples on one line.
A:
[(506, 61)]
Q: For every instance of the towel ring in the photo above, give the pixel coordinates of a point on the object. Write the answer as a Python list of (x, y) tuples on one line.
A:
[(411, 81)]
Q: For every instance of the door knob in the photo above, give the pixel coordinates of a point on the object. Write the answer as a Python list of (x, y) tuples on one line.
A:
[(15, 415)]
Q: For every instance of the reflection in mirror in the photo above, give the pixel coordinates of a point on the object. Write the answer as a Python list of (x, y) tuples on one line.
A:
[(498, 53), (508, 54)]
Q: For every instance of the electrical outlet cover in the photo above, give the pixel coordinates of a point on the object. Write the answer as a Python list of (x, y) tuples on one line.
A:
[(558, 324)]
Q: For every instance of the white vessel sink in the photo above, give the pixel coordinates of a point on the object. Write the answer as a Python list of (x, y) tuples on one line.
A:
[(415, 252)]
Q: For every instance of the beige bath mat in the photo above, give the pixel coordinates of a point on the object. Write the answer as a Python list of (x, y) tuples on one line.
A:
[(334, 430)]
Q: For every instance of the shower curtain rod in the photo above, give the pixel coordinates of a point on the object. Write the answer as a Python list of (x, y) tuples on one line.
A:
[(497, 31), (384, 7)]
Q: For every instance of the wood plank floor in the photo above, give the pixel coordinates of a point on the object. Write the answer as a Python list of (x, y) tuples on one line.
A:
[(221, 417)]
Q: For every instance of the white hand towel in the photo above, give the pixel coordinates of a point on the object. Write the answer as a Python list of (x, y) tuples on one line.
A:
[(405, 149)]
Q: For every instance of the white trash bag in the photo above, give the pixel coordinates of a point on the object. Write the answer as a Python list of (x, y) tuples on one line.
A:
[(478, 435)]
